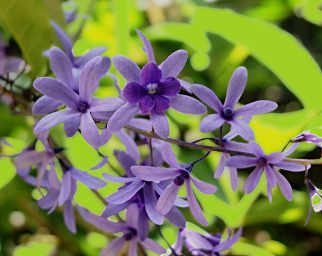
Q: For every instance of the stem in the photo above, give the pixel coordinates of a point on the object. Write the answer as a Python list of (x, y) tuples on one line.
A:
[(192, 145), (200, 159), (166, 241), (151, 148), (221, 133), (83, 23)]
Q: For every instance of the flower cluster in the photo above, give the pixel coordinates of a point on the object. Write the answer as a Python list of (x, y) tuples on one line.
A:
[(154, 187)]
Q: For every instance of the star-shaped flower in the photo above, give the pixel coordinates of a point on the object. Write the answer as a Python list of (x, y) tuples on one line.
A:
[(268, 164), (79, 107), (153, 90), (226, 113)]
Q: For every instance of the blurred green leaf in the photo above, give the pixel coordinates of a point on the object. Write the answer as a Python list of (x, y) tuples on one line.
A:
[(34, 248), (243, 248), (26, 23), (8, 171), (310, 10)]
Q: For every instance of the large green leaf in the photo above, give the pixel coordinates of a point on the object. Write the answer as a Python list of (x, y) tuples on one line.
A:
[(28, 22), (275, 48), (310, 10), (190, 35)]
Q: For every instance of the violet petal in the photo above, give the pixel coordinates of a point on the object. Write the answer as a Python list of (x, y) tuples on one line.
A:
[(89, 180), (211, 123), (127, 68), (187, 105), (160, 124), (194, 205), (174, 63), (125, 193), (236, 87), (150, 173)]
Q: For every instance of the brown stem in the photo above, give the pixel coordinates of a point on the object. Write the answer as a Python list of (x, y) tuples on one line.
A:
[(305, 162)]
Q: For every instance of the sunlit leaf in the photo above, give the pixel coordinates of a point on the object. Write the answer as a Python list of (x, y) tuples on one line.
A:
[(284, 55)]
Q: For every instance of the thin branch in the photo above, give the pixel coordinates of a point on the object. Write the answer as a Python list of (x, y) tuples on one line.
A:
[(83, 23), (192, 145)]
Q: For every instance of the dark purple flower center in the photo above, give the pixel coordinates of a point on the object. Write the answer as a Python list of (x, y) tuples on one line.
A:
[(83, 106), (227, 113), (132, 233), (262, 161), (179, 180)]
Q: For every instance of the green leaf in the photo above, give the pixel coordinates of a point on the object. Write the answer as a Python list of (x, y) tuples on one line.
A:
[(284, 56), (243, 248), (190, 35), (28, 23), (8, 171), (34, 248), (310, 10), (301, 75)]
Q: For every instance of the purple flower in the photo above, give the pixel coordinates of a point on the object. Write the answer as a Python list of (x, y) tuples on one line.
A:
[(51, 200), (70, 15), (9, 64), (79, 108), (130, 231), (176, 176), (62, 193), (153, 90), (77, 62), (141, 193), (205, 244), (226, 113), (30, 157), (308, 137), (268, 164), (70, 175)]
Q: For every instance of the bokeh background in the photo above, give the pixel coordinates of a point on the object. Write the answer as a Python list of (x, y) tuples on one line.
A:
[(279, 41)]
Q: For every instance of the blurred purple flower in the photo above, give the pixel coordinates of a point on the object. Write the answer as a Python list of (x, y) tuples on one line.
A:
[(71, 14), (267, 163), (41, 159), (77, 62), (79, 107), (71, 175), (176, 176), (130, 231), (308, 137), (226, 112), (152, 90), (142, 194), (51, 200), (9, 64), (205, 244)]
